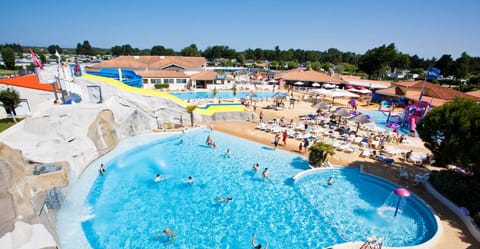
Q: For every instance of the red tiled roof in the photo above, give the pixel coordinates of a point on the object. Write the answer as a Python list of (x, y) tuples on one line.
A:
[(474, 93), (152, 62), (436, 91), (357, 80), (309, 75), (162, 74), (407, 84), (207, 75)]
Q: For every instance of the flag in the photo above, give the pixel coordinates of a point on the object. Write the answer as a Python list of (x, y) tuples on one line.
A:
[(59, 57), (433, 73), (36, 61)]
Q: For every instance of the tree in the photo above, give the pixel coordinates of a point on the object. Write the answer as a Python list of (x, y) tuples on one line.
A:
[(125, 49), (452, 132), (84, 48), (292, 64), (241, 59), (190, 109), (461, 66), (319, 153), (214, 92), (53, 48), (42, 57), (375, 61), (10, 99), (8, 58), (445, 64), (161, 50), (191, 50), (234, 90)]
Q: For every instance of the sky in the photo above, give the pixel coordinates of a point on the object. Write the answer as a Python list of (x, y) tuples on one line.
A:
[(426, 28)]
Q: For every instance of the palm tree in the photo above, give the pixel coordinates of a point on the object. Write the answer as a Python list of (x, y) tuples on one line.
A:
[(190, 109), (319, 153), (10, 100), (234, 89), (214, 92)]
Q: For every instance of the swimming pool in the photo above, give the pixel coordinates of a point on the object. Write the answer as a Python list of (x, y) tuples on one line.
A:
[(221, 95), (380, 119), (126, 208)]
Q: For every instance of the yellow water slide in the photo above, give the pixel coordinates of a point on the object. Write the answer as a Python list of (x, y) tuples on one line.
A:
[(208, 110)]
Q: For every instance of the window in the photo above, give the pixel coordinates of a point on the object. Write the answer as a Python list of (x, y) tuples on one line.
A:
[(156, 81), (182, 81), (168, 81)]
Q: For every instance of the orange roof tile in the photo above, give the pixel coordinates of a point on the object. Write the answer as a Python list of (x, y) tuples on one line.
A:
[(407, 83), (162, 74), (309, 75), (474, 93), (357, 80), (436, 91), (207, 75), (152, 62)]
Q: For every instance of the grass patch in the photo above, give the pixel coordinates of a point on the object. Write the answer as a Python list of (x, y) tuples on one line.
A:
[(7, 72), (7, 123)]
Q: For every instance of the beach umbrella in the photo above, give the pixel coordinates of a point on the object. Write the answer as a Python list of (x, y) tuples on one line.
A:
[(341, 112), (251, 94), (360, 119), (320, 105)]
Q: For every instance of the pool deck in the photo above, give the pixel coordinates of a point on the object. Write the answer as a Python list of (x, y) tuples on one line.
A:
[(454, 234)]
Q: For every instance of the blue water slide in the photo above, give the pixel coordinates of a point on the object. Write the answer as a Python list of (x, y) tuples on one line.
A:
[(128, 77)]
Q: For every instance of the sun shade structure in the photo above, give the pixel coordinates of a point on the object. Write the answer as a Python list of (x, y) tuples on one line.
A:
[(361, 119), (341, 112), (320, 105)]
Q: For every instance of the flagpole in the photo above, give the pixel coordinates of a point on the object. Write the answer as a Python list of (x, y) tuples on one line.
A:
[(421, 91)]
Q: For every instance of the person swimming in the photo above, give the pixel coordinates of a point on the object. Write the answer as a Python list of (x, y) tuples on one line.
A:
[(256, 167), (171, 235), (159, 178), (330, 180), (190, 180), (102, 169), (226, 199), (257, 246), (265, 173), (227, 154)]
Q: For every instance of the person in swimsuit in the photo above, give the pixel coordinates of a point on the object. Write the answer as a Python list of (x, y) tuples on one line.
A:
[(255, 245)]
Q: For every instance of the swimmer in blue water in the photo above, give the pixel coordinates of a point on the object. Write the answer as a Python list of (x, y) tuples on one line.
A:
[(190, 180), (171, 235), (102, 169), (257, 246), (227, 154), (330, 180)]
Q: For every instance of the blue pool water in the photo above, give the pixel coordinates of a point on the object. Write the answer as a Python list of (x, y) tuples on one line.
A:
[(126, 208), (221, 95), (380, 119)]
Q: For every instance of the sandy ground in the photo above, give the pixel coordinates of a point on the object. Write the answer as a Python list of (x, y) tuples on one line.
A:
[(455, 234)]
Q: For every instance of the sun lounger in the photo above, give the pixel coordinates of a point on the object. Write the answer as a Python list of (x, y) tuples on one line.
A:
[(366, 153), (384, 159), (351, 148)]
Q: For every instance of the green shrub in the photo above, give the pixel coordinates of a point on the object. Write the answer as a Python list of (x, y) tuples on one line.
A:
[(459, 188), (319, 153), (161, 86)]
